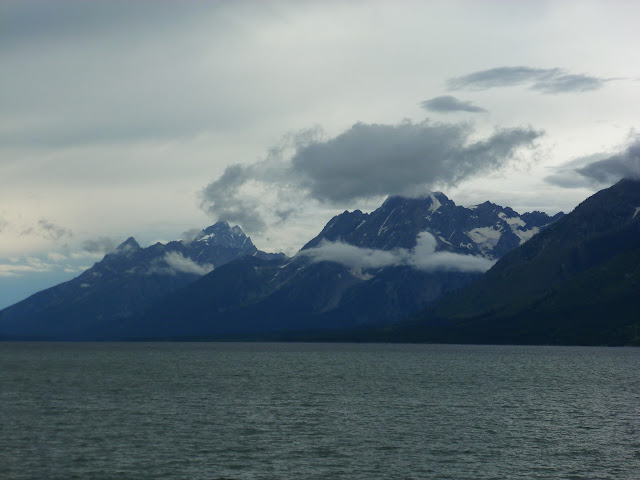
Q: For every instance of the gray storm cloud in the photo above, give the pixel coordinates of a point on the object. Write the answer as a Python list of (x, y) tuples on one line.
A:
[(544, 80), (48, 230), (449, 103), (99, 245), (224, 200), (92, 44), (365, 161), (622, 165), (599, 169), (569, 83), (369, 160), (423, 257), (189, 236), (52, 231)]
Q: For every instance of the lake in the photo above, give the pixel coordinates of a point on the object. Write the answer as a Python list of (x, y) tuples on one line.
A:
[(317, 411)]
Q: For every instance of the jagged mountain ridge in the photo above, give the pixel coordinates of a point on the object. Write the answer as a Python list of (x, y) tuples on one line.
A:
[(251, 291), (300, 293), (577, 282), (125, 282), (487, 230)]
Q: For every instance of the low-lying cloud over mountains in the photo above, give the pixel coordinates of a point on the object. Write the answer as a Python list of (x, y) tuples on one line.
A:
[(422, 257), (179, 263), (625, 164)]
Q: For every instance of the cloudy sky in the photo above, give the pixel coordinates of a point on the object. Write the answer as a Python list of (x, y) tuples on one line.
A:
[(153, 118)]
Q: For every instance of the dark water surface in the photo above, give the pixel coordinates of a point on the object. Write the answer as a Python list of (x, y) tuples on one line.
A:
[(310, 411)]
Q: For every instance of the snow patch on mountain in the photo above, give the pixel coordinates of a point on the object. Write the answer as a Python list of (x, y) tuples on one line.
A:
[(525, 235), (485, 237), (444, 240), (206, 238), (517, 226), (222, 234), (514, 222), (382, 227), (232, 239), (435, 203), (426, 258)]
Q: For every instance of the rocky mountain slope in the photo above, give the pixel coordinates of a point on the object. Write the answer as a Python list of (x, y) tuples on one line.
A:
[(487, 230), (361, 269), (577, 282), (124, 283)]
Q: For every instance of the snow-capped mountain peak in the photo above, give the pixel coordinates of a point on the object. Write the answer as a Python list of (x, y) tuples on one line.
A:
[(486, 230), (222, 234), (128, 246)]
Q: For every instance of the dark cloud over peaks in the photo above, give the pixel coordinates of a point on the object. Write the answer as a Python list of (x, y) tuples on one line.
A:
[(365, 161), (545, 80), (99, 245), (625, 164), (223, 199), (448, 103), (376, 159), (52, 231), (600, 169)]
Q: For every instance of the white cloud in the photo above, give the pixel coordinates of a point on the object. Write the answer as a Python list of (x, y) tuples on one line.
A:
[(23, 266), (180, 263), (84, 255), (355, 257), (423, 257), (56, 256)]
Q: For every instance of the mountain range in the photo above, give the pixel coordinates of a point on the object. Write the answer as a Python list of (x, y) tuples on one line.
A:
[(415, 269), (124, 283), (361, 269), (576, 282)]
